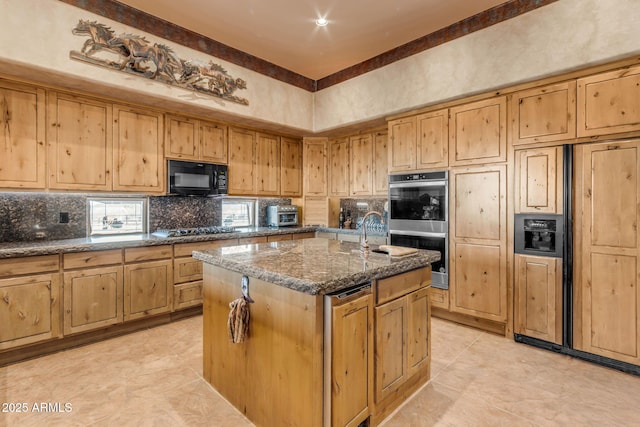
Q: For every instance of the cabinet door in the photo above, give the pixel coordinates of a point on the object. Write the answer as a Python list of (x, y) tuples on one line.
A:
[(433, 139), (477, 132), (30, 309), (339, 167), (361, 155), (380, 164), (267, 164), (213, 142), (352, 359), (242, 157), (181, 138), (315, 166), (402, 144), (478, 273), (80, 143), (138, 150), (22, 147), (92, 299), (187, 295), (147, 289), (538, 297), (390, 348), (544, 114), (418, 331), (538, 186), (609, 102), (290, 167), (607, 257)]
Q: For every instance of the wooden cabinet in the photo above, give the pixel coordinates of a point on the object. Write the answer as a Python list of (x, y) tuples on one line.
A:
[(478, 273), (477, 132), (607, 250), (315, 165), (254, 163), (93, 290), (360, 166), (148, 275), (402, 144), (267, 169), (30, 295), (380, 163), (351, 348), (290, 167), (433, 139), (609, 103), (538, 297), (138, 150), (339, 167), (22, 142), (544, 114), (80, 143), (538, 180), (191, 139), (402, 337)]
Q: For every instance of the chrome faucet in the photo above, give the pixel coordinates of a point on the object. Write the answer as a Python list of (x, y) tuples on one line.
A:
[(364, 244)]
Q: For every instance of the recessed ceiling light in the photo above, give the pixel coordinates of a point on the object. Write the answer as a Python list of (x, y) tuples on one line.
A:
[(321, 22)]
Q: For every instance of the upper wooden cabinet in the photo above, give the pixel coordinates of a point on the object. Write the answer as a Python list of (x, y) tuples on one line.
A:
[(315, 165), (190, 139), (80, 143), (339, 167), (609, 102), (241, 160), (22, 146), (538, 180), (138, 150), (402, 144), (380, 163), (477, 132), (360, 165), (290, 167), (267, 170), (544, 114), (433, 139)]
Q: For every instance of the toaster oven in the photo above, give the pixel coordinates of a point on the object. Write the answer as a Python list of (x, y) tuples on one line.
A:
[(282, 216)]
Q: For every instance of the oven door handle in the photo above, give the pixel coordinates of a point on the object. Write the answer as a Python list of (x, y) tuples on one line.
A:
[(417, 184), (419, 234)]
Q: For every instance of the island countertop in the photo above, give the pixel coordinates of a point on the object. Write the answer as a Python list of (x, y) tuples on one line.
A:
[(313, 266)]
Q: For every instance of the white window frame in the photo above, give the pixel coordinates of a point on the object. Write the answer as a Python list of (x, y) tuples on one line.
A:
[(96, 230), (252, 205)]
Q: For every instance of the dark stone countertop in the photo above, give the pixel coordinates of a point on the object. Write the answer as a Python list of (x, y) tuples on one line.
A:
[(50, 247), (314, 266)]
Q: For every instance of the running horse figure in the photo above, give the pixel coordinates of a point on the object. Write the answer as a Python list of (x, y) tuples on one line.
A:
[(138, 53), (99, 36)]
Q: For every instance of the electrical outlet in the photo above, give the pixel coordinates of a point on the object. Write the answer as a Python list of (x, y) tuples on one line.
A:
[(64, 217)]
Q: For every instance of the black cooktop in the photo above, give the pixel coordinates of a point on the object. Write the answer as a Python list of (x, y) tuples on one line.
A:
[(177, 232)]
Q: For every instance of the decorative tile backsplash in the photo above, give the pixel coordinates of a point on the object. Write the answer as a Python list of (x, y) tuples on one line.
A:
[(36, 216)]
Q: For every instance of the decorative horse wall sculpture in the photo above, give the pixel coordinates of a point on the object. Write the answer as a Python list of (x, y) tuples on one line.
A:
[(135, 54)]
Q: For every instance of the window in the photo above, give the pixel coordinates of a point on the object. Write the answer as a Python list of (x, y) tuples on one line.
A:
[(116, 216), (238, 212)]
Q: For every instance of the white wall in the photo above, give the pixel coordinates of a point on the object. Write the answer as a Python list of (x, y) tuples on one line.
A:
[(35, 37), (565, 35)]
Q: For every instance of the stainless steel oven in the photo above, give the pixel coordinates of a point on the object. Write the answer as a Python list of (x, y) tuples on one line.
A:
[(419, 217)]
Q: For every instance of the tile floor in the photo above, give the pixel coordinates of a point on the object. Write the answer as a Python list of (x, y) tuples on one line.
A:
[(154, 378)]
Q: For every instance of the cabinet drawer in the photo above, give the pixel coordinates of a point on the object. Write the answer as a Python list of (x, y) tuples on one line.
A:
[(186, 270), (308, 235), (185, 249), (147, 253), (91, 259), (29, 265), (397, 286), (187, 295)]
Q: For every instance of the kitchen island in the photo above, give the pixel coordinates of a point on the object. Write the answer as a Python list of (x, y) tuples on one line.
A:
[(321, 311)]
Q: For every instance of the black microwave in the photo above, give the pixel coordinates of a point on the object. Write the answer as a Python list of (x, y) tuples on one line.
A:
[(196, 178)]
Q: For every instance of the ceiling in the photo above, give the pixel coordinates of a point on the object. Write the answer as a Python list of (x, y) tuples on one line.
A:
[(284, 33)]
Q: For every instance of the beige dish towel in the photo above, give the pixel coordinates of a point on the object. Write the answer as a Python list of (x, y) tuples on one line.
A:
[(238, 322)]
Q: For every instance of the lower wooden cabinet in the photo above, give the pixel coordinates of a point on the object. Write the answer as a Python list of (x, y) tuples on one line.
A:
[(30, 309), (92, 298), (147, 289), (538, 297)]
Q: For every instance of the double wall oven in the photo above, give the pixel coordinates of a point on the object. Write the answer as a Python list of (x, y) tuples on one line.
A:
[(419, 217)]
